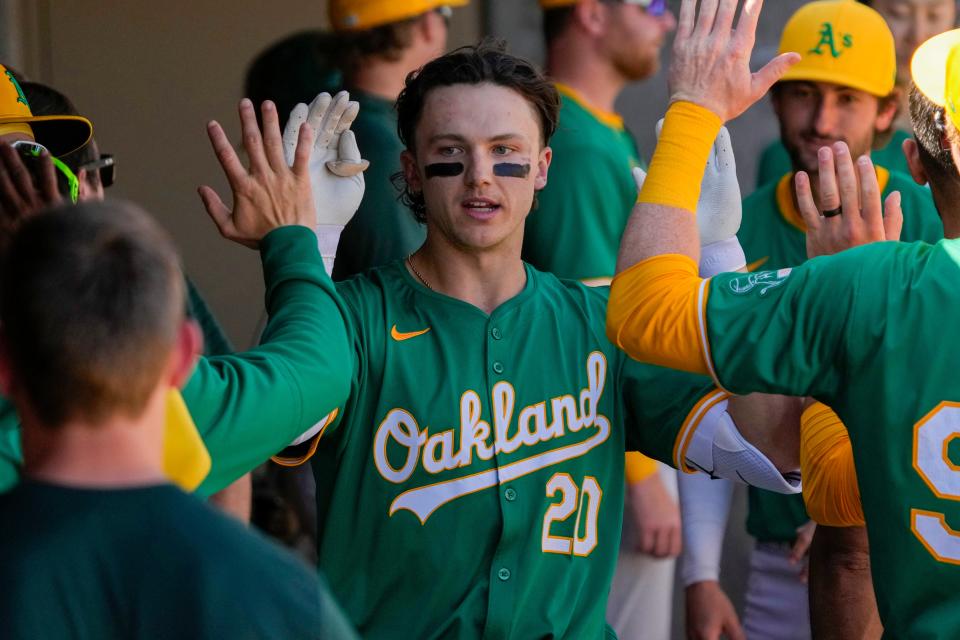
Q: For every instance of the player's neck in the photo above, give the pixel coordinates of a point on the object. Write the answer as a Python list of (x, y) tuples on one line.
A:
[(597, 82), (485, 279), (114, 453)]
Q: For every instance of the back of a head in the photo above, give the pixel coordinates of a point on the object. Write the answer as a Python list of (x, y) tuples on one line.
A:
[(91, 302), (556, 18)]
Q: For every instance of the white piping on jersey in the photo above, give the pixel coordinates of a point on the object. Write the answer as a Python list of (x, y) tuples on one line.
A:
[(569, 416), (702, 325)]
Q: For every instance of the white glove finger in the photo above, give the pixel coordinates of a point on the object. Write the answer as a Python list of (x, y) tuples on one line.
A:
[(659, 127), (328, 126), (318, 109), (639, 176), (292, 131), (348, 162), (349, 115), (723, 152)]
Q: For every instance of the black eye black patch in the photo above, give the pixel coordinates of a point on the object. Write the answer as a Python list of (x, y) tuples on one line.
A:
[(443, 169), (511, 170)]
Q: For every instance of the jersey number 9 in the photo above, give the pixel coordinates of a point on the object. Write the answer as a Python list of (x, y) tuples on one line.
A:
[(931, 441)]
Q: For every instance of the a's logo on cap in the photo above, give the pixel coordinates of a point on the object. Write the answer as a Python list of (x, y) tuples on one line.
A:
[(827, 39), (20, 97)]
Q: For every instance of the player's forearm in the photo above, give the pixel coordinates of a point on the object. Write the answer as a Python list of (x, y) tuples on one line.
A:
[(249, 406), (704, 507), (842, 601), (771, 423)]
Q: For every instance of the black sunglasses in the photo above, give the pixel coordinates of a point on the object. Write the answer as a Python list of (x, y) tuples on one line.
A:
[(105, 166)]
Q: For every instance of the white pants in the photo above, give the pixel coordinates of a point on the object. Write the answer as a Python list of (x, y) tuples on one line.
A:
[(777, 606), (641, 599)]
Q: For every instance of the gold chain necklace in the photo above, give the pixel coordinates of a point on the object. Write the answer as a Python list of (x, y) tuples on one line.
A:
[(417, 273)]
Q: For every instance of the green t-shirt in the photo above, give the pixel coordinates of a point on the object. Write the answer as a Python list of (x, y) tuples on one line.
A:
[(773, 236), (383, 229), (869, 333), (775, 161), (575, 231), (149, 562), (473, 486), (250, 405)]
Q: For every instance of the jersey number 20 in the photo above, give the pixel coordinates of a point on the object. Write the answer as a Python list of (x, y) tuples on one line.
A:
[(572, 499), (931, 441)]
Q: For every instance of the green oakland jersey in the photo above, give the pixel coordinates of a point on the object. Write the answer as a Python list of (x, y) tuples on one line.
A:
[(773, 236), (775, 161), (383, 229), (473, 486), (575, 231), (250, 405), (868, 332), (149, 562)]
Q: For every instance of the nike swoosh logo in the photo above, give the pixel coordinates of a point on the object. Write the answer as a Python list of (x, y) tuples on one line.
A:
[(400, 336), (753, 266)]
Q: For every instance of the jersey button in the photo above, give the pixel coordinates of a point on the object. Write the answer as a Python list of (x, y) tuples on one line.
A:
[(497, 367), (496, 333), (504, 574), (510, 494)]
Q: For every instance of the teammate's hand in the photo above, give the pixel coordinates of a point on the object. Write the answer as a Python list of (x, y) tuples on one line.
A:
[(710, 613), (801, 548), (852, 192), (711, 58), (336, 169), (657, 518), (268, 195), (20, 197)]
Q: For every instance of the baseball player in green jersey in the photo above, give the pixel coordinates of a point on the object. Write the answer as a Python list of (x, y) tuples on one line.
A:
[(851, 330), (96, 543), (594, 50), (472, 483), (822, 99), (381, 42)]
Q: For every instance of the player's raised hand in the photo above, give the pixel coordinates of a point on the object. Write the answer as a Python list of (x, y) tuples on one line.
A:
[(850, 212), (20, 196), (269, 194), (711, 57), (336, 168)]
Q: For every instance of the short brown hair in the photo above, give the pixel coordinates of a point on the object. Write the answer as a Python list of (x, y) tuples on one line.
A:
[(91, 300), (485, 62), (386, 41)]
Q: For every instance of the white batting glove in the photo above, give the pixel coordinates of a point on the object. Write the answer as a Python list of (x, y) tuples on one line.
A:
[(719, 210), (336, 168)]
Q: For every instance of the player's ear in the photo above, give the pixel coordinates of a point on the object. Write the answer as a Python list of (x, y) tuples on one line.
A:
[(912, 153), (888, 111), (543, 166), (591, 16), (411, 172), (186, 350)]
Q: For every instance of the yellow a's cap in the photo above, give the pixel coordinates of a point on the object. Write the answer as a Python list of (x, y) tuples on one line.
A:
[(842, 42), (935, 69), (59, 134), (358, 15), (186, 460)]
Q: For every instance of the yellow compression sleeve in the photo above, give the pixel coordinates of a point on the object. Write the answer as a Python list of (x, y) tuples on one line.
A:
[(654, 312), (830, 488), (676, 169), (639, 467)]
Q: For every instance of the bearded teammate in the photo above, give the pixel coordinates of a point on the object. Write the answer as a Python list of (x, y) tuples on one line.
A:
[(594, 49), (794, 331), (820, 100), (472, 483)]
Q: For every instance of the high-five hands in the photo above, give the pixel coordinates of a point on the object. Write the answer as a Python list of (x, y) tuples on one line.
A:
[(711, 58), (850, 198), (336, 169), (270, 194)]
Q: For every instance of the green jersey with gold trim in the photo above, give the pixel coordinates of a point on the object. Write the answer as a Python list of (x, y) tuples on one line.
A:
[(773, 236), (868, 332), (775, 161), (575, 231), (472, 486)]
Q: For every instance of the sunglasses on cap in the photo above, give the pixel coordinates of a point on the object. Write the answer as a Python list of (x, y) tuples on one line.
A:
[(652, 7), (445, 11), (35, 149), (105, 165)]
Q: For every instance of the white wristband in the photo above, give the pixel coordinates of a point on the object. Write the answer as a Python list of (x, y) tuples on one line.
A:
[(328, 238), (704, 509), (720, 257)]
